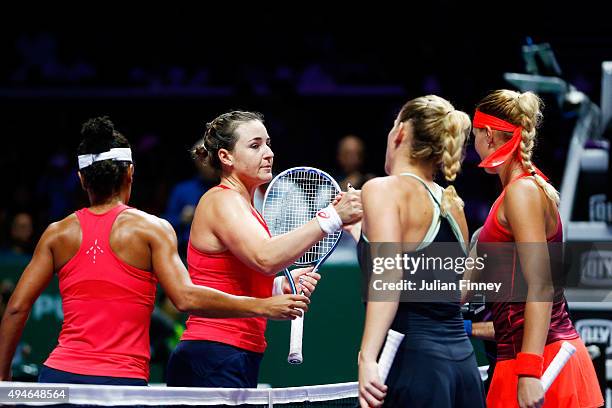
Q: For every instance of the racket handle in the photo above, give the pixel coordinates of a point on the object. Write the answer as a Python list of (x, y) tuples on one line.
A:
[(556, 365), (388, 354), (297, 327), (295, 342)]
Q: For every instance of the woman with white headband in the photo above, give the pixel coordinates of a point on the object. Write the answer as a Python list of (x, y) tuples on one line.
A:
[(108, 259)]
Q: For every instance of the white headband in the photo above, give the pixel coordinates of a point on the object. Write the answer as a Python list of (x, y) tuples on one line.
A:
[(117, 154)]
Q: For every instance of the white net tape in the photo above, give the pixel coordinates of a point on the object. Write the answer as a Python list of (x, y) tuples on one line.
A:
[(114, 395)]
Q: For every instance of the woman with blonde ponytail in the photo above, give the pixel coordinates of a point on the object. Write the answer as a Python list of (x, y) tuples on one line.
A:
[(529, 329), (435, 365)]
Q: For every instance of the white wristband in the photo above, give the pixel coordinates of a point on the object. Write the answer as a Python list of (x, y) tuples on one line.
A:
[(329, 220), (277, 287)]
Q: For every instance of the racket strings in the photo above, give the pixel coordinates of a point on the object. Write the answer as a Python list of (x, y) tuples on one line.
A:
[(293, 200)]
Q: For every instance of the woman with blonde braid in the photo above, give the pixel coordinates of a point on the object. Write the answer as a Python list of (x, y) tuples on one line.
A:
[(435, 365), (529, 328)]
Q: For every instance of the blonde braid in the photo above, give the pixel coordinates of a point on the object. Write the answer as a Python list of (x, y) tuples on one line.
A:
[(456, 128), (526, 103)]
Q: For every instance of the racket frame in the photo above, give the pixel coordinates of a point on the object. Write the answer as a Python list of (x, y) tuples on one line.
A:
[(295, 347)]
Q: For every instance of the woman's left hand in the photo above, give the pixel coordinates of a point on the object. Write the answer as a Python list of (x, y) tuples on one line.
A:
[(305, 280), (372, 391)]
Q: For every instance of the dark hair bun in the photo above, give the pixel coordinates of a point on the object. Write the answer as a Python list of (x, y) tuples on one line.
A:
[(98, 129), (198, 151)]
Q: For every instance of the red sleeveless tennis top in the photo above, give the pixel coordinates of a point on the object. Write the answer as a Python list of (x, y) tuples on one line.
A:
[(509, 317), (107, 307), (225, 272)]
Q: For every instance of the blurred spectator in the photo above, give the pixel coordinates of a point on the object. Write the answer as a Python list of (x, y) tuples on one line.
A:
[(350, 160), (183, 200), (20, 236)]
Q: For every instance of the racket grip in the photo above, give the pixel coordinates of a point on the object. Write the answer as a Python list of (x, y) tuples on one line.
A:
[(556, 365), (295, 342), (388, 354)]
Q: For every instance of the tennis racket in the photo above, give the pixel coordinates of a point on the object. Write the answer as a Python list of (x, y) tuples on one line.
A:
[(292, 199)]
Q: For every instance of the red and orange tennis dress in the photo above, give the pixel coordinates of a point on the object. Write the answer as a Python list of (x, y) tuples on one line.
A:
[(576, 385)]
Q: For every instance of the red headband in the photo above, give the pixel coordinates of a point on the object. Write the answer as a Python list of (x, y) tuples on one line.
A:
[(506, 150), (509, 148)]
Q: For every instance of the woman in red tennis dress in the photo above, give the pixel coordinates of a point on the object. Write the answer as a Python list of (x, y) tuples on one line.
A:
[(529, 332)]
